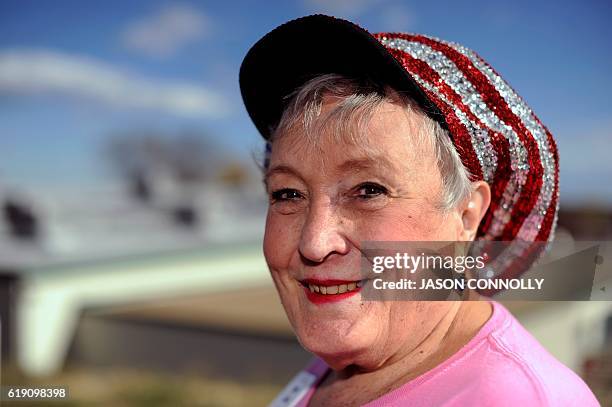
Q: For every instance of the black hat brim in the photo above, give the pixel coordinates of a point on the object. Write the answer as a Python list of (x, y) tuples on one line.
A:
[(301, 49)]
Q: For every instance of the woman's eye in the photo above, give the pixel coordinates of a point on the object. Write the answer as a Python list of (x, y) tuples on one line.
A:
[(286, 194), (370, 190)]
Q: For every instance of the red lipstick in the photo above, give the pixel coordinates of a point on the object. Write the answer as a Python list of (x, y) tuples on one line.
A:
[(320, 298)]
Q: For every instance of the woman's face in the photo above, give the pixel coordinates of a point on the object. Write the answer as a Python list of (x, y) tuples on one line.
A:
[(325, 200)]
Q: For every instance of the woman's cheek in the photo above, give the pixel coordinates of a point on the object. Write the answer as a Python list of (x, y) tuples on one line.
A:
[(281, 238), (394, 224)]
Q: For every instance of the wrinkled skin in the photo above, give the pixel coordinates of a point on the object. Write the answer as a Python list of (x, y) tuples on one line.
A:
[(326, 198)]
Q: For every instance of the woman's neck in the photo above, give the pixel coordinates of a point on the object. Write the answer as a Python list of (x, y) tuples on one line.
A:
[(455, 329)]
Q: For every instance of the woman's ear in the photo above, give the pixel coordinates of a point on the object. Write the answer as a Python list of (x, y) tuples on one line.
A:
[(474, 208)]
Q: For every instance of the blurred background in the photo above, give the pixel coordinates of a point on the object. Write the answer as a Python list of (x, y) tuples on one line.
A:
[(131, 206)]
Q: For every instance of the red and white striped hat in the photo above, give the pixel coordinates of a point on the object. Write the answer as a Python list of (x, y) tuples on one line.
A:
[(498, 137)]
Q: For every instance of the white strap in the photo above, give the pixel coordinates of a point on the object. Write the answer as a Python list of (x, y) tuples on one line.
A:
[(294, 391)]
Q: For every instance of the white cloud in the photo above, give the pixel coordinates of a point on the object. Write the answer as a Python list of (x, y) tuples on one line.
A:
[(587, 150), (163, 34), (396, 17), (35, 71), (391, 15)]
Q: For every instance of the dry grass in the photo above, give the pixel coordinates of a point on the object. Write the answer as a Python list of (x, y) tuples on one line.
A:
[(132, 388)]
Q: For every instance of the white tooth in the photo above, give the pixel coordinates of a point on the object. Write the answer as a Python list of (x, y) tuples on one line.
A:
[(311, 288), (342, 288), (316, 288), (323, 290), (332, 289), (351, 286)]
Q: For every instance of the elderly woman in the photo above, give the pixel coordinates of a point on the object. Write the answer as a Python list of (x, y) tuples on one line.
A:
[(396, 137)]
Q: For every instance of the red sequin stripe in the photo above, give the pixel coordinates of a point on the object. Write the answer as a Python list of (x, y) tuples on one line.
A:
[(521, 264), (532, 187), (500, 143), (462, 138), (518, 266), (547, 222), (503, 173)]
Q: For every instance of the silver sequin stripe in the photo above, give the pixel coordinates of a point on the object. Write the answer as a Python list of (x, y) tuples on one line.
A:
[(514, 253), (505, 259), (481, 141), (532, 225), (455, 79), (530, 229)]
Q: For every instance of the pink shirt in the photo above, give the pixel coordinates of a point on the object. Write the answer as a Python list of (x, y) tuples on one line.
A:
[(503, 365)]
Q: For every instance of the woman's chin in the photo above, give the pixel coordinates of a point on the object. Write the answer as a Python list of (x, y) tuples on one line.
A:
[(334, 347)]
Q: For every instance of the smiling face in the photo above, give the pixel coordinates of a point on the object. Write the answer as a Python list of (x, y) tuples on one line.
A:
[(328, 197)]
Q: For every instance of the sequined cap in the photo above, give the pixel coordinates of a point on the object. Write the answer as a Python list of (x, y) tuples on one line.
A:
[(499, 138)]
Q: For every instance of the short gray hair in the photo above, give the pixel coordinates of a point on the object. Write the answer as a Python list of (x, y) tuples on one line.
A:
[(358, 100)]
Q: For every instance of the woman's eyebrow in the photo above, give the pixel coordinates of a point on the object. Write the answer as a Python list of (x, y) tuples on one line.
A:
[(378, 162), (281, 169)]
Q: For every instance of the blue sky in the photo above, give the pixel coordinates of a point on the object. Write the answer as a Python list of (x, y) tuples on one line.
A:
[(72, 73)]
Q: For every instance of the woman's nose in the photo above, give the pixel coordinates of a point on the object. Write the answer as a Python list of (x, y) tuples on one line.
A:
[(322, 234)]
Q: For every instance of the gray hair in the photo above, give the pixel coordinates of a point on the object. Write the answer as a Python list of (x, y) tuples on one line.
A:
[(358, 100)]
